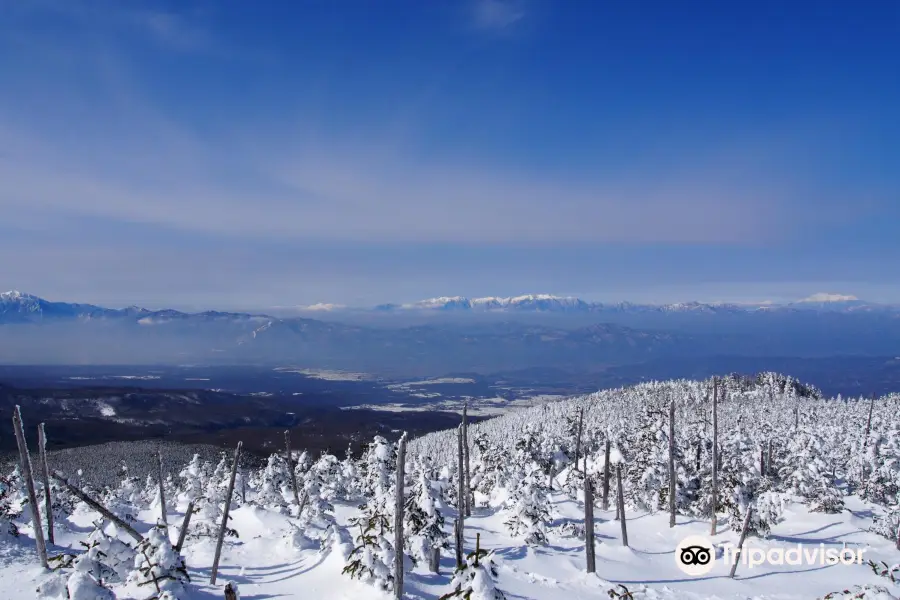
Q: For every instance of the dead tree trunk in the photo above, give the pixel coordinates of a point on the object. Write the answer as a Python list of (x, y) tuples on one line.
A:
[(243, 487), (578, 438), (184, 526), (434, 560), (672, 488), (589, 549), (462, 491), (45, 468), (224, 526), (715, 459), (744, 530), (230, 593), (762, 460), (769, 458), (465, 440), (162, 488), (290, 462), (29, 484), (869, 420), (98, 507), (457, 538), (398, 517), (621, 502), (606, 476)]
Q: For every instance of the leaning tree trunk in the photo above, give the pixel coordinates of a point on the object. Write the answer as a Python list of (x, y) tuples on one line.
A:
[(606, 476), (621, 502), (589, 550), (224, 526), (672, 489), (98, 507), (398, 517), (25, 459), (45, 468), (744, 530), (715, 460), (184, 526)]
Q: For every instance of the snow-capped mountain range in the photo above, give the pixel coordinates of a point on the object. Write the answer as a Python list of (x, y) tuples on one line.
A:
[(18, 307), (551, 303)]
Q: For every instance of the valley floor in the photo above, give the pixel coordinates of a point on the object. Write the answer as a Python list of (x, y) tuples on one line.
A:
[(269, 563)]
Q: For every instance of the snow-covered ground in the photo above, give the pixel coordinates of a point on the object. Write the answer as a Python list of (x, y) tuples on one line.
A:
[(267, 565), (793, 467)]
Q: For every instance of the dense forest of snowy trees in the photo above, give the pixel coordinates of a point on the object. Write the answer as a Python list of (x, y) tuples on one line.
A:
[(733, 451)]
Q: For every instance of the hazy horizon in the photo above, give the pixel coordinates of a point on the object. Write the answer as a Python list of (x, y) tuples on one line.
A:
[(202, 154)]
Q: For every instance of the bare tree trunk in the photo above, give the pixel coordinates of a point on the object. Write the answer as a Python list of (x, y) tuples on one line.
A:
[(869, 420), (465, 440), (230, 593), (762, 460), (243, 486), (672, 489), (744, 530), (25, 459), (458, 540), (589, 549), (621, 502), (45, 468), (769, 458), (224, 526), (578, 438), (98, 507), (606, 476), (462, 491), (162, 488), (434, 562), (715, 459), (184, 526), (398, 517), (290, 462)]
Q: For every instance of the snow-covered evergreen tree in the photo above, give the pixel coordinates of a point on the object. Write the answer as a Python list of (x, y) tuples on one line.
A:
[(158, 569), (475, 579)]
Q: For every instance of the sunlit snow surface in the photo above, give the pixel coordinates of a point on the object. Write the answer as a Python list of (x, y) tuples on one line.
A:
[(267, 563)]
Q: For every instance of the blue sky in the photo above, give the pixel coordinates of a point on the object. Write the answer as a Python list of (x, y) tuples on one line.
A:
[(235, 154)]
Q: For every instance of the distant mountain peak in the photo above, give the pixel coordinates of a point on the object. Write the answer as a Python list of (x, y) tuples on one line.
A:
[(16, 295), (823, 297)]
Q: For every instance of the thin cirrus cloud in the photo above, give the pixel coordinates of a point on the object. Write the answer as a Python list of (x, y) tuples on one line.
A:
[(251, 204), (498, 14), (187, 183)]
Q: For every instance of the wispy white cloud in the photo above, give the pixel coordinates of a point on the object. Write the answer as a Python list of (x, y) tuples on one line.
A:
[(497, 14), (176, 30)]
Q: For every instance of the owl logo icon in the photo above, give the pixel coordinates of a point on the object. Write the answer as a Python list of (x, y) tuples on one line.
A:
[(695, 555)]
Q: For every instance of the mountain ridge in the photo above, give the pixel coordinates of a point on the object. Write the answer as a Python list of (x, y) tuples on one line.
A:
[(22, 307)]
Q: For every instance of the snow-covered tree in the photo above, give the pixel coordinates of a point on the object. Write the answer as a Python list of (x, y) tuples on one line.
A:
[(475, 579), (423, 521), (372, 558), (107, 559), (158, 569)]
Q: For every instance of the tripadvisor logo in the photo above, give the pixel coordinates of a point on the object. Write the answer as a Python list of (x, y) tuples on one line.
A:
[(696, 555)]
